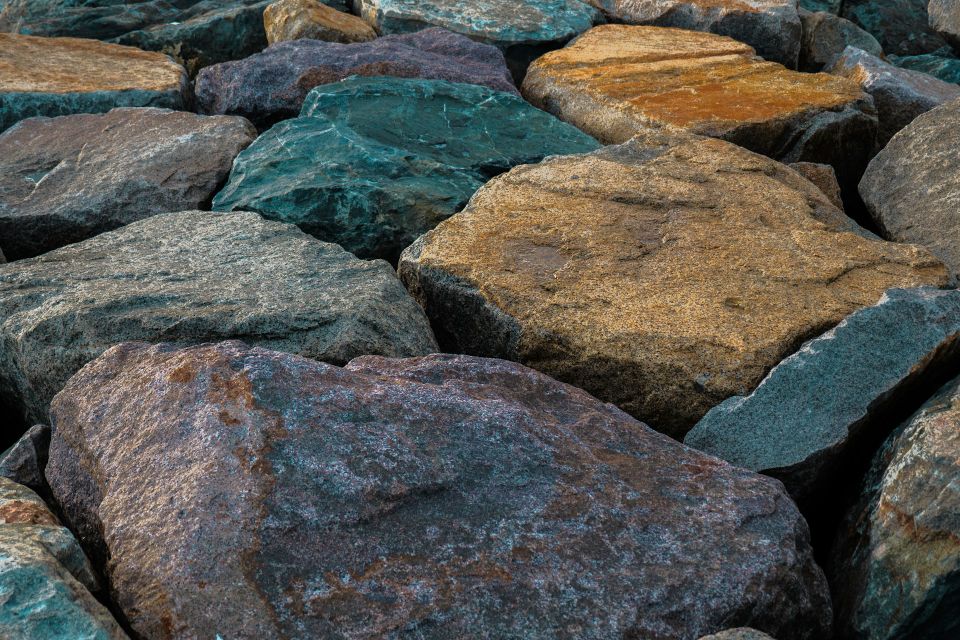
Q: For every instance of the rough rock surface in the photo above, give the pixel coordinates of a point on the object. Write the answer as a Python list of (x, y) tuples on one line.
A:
[(830, 6), (195, 277), (912, 188), (942, 64), (741, 633), (376, 162), (617, 80), (59, 76), (272, 85), (824, 177), (663, 275), (900, 95), (772, 27), (295, 19), (804, 420), (66, 179), (438, 495), (25, 461), (896, 564), (825, 36), (899, 25), (945, 19)]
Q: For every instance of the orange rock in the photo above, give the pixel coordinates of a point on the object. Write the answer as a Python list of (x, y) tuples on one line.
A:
[(296, 19)]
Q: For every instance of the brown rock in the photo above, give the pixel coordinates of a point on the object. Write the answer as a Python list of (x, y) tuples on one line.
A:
[(663, 275), (824, 177), (296, 19)]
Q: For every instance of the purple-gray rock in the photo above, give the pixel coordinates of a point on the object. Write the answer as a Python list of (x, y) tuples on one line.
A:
[(25, 461), (271, 86), (256, 494), (826, 35)]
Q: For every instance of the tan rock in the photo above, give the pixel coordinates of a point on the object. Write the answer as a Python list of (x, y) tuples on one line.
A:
[(663, 275), (296, 19), (824, 177)]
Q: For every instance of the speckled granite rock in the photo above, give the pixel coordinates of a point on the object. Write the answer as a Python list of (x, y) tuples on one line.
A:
[(825, 36), (24, 462), (397, 156), (741, 633), (195, 277), (944, 16), (824, 177), (899, 25), (804, 420), (663, 275), (896, 564), (912, 188), (272, 85), (295, 19), (66, 179), (59, 76), (942, 64), (443, 494)]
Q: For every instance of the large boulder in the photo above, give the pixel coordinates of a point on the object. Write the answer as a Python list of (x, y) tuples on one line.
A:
[(913, 186), (899, 25), (66, 179), (59, 76), (826, 36), (375, 162), (195, 277), (294, 19), (944, 16), (896, 562), (272, 85), (433, 496), (663, 275)]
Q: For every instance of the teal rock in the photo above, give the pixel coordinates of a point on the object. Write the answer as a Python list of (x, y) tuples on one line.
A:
[(373, 163), (941, 64), (804, 421), (901, 26), (830, 6)]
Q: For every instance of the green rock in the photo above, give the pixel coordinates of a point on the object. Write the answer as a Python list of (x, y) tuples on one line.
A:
[(373, 163), (940, 64)]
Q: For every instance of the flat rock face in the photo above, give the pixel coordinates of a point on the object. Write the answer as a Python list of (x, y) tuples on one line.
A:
[(897, 560), (945, 19), (617, 80), (24, 462), (899, 25), (900, 95), (295, 19), (663, 275), (444, 494), (825, 36), (59, 76), (189, 278), (375, 162), (272, 85), (772, 27), (912, 188), (804, 420), (66, 179)]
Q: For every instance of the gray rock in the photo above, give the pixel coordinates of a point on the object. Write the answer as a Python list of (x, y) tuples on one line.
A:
[(900, 95), (944, 18), (25, 461), (899, 25), (66, 179), (912, 187), (194, 277), (741, 633), (823, 176), (805, 420), (825, 36)]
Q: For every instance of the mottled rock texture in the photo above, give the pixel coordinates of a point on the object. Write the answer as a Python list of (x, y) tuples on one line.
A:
[(663, 275), (912, 188), (25, 461), (272, 85), (373, 163), (942, 64), (824, 177), (445, 496), (807, 418), (945, 19), (66, 179), (295, 19), (741, 633), (896, 564), (830, 6), (899, 25), (825, 36), (195, 277), (59, 76)]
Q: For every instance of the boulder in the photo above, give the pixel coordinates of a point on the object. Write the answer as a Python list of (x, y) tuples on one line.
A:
[(60, 76), (100, 20), (772, 27), (194, 277), (663, 275), (899, 25), (432, 496), (617, 80), (812, 414), (942, 64), (944, 16), (25, 461), (66, 179), (825, 36), (824, 177), (896, 563), (272, 85), (295, 19), (375, 162), (900, 95), (913, 186), (830, 6), (741, 633)]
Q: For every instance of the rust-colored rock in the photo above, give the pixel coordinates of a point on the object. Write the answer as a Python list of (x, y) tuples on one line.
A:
[(295, 19)]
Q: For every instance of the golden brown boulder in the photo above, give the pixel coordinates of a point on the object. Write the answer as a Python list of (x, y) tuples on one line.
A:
[(663, 275), (295, 19)]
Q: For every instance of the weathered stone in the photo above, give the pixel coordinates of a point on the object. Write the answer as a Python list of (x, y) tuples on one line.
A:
[(295, 19), (59, 76), (899, 25), (830, 6), (375, 162), (195, 277), (824, 177), (25, 461), (615, 81), (942, 64), (900, 95), (438, 495), (825, 36), (805, 420), (663, 275), (896, 564), (912, 188), (66, 179), (772, 27), (741, 633), (272, 85), (944, 16), (45, 579), (99, 20)]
